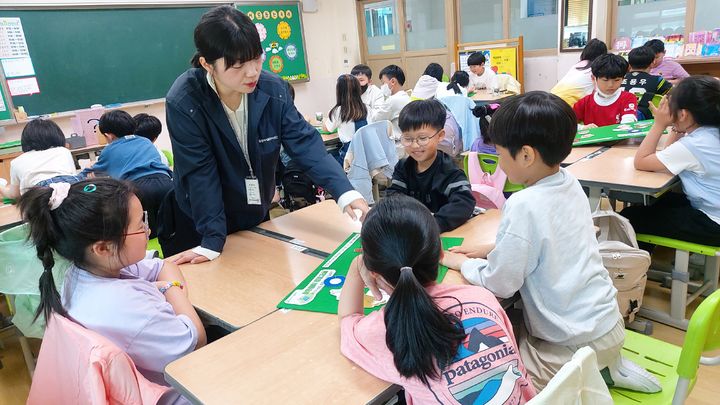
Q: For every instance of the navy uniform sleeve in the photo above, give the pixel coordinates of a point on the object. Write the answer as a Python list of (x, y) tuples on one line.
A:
[(196, 170), (305, 146), (460, 205), (399, 182)]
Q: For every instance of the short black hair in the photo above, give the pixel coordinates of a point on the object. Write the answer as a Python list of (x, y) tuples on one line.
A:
[(40, 134), (227, 33), (609, 66), (476, 58), (361, 69), (117, 122), (538, 119), (434, 70), (420, 113), (657, 45), (641, 57), (147, 126), (393, 72), (593, 49)]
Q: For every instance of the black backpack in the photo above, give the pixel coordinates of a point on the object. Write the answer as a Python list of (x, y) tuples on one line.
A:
[(299, 191)]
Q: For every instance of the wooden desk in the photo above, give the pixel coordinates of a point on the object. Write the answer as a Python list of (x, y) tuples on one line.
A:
[(613, 170), (9, 216), (248, 280), (485, 96), (579, 153), (286, 357)]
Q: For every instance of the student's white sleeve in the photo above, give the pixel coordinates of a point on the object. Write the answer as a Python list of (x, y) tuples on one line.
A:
[(348, 197), (628, 118), (382, 112), (333, 122), (209, 254), (14, 173), (504, 271), (677, 158)]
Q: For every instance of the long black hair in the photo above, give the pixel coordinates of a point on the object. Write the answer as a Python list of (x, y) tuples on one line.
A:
[(94, 210), (458, 79), (700, 95), (592, 50), (401, 233), (349, 99), (225, 32)]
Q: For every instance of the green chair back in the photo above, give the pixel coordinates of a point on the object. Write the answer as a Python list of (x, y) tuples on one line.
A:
[(169, 157), (488, 164), (703, 335)]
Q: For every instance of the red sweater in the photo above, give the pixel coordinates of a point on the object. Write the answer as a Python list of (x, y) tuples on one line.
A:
[(589, 112)]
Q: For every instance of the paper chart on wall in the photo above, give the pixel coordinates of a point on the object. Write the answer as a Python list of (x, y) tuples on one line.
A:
[(12, 39), (17, 67), (20, 87)]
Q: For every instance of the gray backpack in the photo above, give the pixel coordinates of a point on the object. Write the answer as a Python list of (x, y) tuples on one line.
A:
[(626, 264)]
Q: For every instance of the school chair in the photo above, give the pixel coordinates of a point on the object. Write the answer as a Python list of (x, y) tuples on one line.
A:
[(371, 159), (679, 278), (488, 163), (12, 330), (486, 187), (675, 367), (578, 382), (154, 244), (169, 157), (93, 370)]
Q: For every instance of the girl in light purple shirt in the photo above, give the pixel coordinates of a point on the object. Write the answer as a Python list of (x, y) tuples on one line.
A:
[(140, 305)]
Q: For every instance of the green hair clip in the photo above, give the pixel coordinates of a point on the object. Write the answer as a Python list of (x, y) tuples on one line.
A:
[(89, 188)]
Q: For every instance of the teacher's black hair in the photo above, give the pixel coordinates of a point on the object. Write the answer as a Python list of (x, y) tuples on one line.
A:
[(225, 32)]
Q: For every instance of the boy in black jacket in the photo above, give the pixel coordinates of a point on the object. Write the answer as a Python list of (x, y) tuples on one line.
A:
[(429, 175)]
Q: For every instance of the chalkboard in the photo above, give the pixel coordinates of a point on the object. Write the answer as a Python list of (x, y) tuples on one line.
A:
[(83, 57), (281, 34)]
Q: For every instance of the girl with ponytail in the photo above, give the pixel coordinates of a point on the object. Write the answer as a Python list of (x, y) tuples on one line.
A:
[(459, 82), (440, 342), (139, 304), (692, 152)]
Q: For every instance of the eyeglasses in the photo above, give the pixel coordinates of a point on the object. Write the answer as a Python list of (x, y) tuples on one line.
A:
[(146, 226), (421, 141)]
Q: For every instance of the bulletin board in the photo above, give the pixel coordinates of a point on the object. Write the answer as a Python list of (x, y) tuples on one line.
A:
[(503, 56), (281, 36)]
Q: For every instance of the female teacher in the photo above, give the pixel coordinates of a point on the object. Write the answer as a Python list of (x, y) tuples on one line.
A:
[(227, 119)]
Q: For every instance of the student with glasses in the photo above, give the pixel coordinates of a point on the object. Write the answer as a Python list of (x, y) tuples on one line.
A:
[(427, 174)]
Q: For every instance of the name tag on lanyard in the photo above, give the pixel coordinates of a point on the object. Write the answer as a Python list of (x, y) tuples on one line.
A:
[(252, 188)]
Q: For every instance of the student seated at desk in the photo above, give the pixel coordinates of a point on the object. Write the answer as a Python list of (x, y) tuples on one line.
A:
[(459, 83), (45, 159), (641, 83), (349, 113), (427, 84), (140, 305), (427, 174), (133, 158), (669, 69), (481, 76), (438, 341), (371, 96), (608, 104), (693, 154), (150, 127), (393, 79), (546, 249)]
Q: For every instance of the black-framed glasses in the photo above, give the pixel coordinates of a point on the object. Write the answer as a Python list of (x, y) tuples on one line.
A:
[(421, 141), (146, 226)]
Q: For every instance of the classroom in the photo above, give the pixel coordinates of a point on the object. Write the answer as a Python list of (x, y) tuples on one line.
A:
[(359, 201)]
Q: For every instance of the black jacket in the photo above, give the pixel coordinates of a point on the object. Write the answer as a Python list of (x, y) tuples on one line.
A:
[(210, 169), (443, 189)]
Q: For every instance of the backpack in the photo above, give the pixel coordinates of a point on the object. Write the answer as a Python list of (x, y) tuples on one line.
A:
[(626, 264), (299, 191)]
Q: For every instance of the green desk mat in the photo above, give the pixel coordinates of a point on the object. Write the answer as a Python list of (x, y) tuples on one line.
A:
[(10, 144), (313, 295), (613, 133)]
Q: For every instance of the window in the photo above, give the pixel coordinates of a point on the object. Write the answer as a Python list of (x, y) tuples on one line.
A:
[(536, 21), (650, 17), (425, 24), (706, 16), (480, 20), (381, 28)]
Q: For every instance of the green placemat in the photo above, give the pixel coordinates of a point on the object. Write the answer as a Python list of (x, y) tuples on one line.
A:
[(318, 293), (612, 133), (10, 144), (8, 201)]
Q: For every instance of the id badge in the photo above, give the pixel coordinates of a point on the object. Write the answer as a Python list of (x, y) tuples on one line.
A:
[(252, 187)]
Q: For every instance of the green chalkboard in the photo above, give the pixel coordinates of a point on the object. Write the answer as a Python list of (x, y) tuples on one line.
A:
[(104, 56), (281, 33), (320, 290)]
